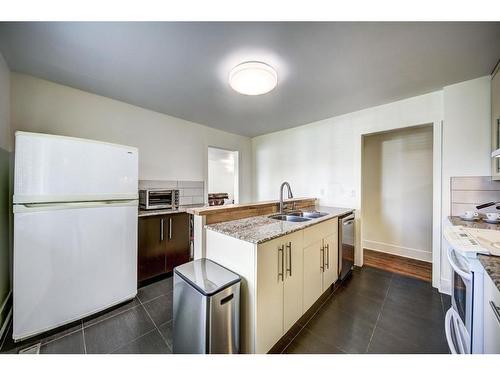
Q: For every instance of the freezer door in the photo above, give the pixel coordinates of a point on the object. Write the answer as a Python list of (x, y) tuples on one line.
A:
[(52, 168), (71, 261)]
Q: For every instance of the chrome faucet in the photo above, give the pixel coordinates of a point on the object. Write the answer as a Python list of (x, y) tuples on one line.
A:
[(290, 195)]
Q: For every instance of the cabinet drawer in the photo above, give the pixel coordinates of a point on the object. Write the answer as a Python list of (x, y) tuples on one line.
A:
[(319, 231)]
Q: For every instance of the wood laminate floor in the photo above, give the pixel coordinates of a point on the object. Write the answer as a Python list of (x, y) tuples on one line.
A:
[(399, 265)]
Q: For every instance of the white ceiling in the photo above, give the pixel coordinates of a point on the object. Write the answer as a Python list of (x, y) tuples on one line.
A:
[(324, 69)]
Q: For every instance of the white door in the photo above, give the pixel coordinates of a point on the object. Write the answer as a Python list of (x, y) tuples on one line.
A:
[(52, 168), (313, 273), (330, 274), (270, 276), (294, 279), (71, 260)]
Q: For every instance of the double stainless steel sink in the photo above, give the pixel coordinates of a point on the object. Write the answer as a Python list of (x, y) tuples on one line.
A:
[(298, 216)]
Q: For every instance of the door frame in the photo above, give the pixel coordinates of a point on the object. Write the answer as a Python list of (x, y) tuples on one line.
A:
[(437, 172), (236, 181)]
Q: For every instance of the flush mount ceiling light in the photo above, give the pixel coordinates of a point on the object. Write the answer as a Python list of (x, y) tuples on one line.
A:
[(253, 78)]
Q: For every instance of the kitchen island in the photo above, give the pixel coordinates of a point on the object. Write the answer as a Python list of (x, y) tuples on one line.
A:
[(218, 214), (286, 267)]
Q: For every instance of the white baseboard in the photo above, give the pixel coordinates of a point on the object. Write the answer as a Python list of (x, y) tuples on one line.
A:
[(406, 252)]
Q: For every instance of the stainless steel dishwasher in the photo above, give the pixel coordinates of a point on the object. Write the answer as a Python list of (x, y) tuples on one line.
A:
[(346, 245)]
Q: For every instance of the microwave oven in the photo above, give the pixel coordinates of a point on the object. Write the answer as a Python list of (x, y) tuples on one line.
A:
[(156, 199)]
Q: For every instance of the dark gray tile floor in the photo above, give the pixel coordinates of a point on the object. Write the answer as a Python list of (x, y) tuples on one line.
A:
[(142, 326), (376, 312), (372, 312)]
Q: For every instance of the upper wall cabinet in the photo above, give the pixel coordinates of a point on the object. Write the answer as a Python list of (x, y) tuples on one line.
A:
[(495, 122)]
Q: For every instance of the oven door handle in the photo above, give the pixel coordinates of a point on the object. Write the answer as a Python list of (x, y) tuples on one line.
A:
[(456, 268), (456, 334), (447, 331)]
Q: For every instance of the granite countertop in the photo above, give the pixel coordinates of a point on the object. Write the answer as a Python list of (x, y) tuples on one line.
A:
[(143, 213), (490, 263), (259, 229), (480, 224)]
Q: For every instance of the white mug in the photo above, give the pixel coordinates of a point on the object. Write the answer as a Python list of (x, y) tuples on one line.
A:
[(470, 214), (493, 215)]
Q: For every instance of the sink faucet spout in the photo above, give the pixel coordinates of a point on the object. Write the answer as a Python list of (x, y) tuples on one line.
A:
[(290, 195)]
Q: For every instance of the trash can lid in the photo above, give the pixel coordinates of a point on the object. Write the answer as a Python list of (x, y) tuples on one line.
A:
[(206, 276)]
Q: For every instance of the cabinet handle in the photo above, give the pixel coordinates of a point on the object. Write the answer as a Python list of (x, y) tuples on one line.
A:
[(495, 310), (322, 250), (281, 250), (289, 247), (328, 256), (161, 229), (169, 228)]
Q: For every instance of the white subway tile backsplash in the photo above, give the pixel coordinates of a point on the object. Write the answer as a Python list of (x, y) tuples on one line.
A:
[(459, 208), (468, 192), (183, 201), (198, 200), (157, 184), (191, 184), (475, 197), (190, 192), (474, 183)]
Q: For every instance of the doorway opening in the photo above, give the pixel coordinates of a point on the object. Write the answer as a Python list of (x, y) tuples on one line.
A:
[(223, 186), (397, 201)]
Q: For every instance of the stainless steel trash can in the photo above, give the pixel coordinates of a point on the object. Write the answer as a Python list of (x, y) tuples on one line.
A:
[(206, 309)]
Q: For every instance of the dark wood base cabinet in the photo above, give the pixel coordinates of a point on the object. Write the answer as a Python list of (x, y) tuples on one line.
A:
[(163, 244)]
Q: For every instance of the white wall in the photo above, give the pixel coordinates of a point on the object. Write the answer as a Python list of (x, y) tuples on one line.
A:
[(397, 192), (5, 132), (221, 171), (323, 159), (5, 189), (466, 140), (169, 148)]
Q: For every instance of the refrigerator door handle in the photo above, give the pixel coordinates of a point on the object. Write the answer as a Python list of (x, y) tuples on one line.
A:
[(36, 207)]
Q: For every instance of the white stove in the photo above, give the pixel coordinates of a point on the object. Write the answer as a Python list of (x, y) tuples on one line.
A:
[(464, 321), (472, 241)]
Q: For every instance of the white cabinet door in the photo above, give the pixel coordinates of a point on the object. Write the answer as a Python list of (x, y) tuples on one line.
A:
[(330, 274), (491, 317), (313, 273), (270, 277), (294, 279)]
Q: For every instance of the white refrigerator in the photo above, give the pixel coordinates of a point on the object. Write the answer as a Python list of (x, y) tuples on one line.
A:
[(75, 229)]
